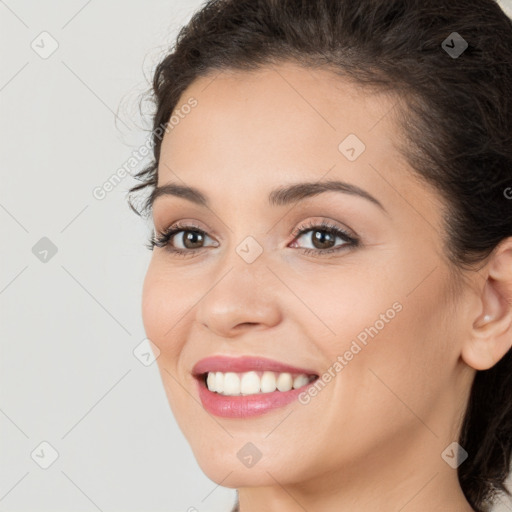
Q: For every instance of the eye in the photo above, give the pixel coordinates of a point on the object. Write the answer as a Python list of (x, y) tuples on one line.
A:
[(180, 239), (187, 240), (323, 238)]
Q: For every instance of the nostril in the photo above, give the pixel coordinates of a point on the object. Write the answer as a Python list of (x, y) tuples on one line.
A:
[(239, 326)]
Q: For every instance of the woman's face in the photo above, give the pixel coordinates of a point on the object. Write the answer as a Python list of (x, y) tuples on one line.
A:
[(376, 315)]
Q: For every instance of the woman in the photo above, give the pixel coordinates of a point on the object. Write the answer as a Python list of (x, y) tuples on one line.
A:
[(330, 288)]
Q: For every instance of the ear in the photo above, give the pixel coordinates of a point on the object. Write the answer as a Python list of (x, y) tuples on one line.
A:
[(490, 336)]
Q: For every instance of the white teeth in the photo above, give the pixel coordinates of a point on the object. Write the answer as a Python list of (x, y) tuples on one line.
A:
[(299, 381), (219, 382), (231, 384), (210, 381), (251, 383), (268, 382), (284, 382)]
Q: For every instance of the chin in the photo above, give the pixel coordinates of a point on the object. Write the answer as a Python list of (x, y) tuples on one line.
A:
[(218, 468)]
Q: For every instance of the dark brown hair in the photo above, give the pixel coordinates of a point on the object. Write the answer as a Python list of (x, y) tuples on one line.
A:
[(455, 112)]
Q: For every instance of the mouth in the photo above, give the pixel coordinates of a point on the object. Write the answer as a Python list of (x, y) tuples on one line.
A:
[(254, 382), (246, 386)]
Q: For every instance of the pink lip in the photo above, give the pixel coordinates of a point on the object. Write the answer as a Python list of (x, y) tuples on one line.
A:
[(244, 364), (249, 405)]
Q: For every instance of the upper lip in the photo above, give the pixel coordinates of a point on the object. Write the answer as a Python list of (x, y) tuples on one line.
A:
[(244, 364)]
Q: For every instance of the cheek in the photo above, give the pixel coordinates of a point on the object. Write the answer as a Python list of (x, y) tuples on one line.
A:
[(162, 307), (394, 344), (152, 304), (354, 302)]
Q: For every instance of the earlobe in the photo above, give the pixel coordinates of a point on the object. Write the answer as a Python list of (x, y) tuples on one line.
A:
[(490, 336)]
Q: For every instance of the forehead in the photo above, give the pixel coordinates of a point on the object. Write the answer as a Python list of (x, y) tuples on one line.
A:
[(278, 124)]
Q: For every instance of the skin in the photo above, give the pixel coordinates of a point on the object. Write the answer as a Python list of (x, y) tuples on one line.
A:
[(372, 439)]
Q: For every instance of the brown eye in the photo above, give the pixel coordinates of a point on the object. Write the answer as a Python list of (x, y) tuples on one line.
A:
[(322, 239), (181, 240), (189, 239)]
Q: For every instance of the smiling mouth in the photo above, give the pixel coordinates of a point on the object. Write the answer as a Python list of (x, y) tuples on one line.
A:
[(247, 386), (254, 382)]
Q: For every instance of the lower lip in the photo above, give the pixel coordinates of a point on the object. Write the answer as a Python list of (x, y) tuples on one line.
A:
[(245, 406)]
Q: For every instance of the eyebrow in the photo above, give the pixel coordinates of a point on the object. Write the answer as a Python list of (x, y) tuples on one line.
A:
[(279, 197)]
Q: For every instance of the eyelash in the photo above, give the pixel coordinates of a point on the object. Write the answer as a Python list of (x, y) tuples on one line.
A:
[(162, 239)]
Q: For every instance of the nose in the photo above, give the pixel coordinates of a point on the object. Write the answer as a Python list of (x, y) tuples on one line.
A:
[(244, 296)]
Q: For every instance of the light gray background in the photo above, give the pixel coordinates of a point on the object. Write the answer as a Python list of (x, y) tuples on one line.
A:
[(70, 325)]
